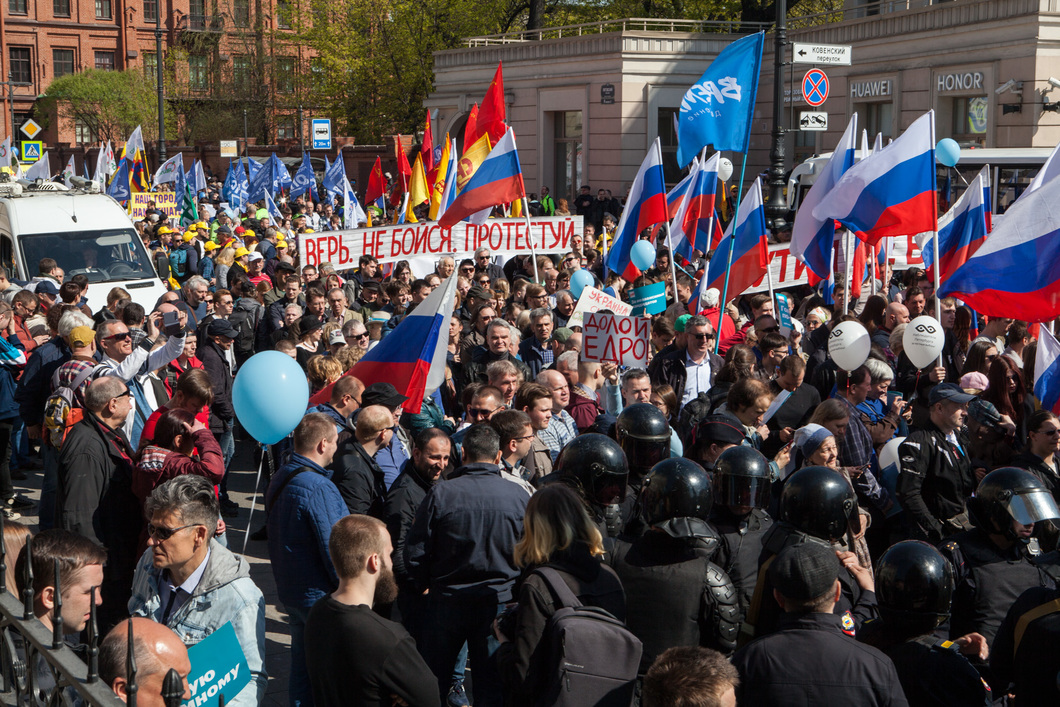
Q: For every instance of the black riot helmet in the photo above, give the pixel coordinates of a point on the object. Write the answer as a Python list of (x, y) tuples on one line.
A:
[(676, 488), (820, 502), (1009, 494), (914, 586), (644, 435), (742, 478), (597, 464)]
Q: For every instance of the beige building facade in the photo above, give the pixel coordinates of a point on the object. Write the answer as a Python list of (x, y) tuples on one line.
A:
[(585, 102)]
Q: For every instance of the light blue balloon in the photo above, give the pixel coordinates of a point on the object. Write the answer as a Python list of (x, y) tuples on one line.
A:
[(579, 281), (948, 152), (642, 254), (270, 396)]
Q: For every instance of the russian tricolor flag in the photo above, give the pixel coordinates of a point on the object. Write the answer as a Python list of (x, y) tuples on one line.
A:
[(891, 193), (498, 180), (694, 219), (962, 229), (750, 252), (1050, 169), (1016, 272), (812, 238), (645, 207), (1047, 371), (412, 357)]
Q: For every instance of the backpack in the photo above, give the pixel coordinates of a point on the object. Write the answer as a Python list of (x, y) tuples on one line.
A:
[(243, 321), (592, 657), (178, 262), (60, 409), (161, 261)]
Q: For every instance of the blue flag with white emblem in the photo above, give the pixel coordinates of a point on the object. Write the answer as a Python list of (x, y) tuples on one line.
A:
[(304, 179), (119, 186), (335, 176), (717, 110), (261, 181)]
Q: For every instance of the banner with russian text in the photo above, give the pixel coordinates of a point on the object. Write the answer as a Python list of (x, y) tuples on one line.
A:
[(502, 236), (617, 339), (165, 201)]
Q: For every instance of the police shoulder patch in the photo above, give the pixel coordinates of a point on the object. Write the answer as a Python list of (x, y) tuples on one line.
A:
[(847, 622)]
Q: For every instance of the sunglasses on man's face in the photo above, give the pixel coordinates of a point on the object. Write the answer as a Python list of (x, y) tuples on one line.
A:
[(118, 337)]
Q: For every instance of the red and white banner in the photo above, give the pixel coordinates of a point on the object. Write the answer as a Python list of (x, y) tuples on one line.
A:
[(593, 300), (617, 339), (507, 236), (788, 271)]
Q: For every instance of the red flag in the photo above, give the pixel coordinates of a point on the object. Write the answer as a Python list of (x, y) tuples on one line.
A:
[(471, 134), (427, 148), (404, 174), (491, 113), (376, 183), (857, 271)]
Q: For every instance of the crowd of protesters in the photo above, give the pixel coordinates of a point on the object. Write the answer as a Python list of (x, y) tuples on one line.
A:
[(763, 526)]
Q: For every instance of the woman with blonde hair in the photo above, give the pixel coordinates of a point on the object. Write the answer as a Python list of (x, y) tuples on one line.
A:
[(557, 534), (222, 262)]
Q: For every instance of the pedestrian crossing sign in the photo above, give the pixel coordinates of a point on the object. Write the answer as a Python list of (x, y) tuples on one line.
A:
[(31, 150)]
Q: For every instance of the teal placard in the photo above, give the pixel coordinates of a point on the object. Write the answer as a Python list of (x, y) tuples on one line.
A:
[(650, 299), (217, 666)]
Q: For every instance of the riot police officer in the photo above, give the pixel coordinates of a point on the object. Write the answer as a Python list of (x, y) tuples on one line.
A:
[(644, 435), (993, 561), (595, 466), (742, 481), (817, 505), (676, 594), (914, 585)]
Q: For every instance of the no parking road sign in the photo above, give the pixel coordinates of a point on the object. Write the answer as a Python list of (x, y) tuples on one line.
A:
[(815, 87)]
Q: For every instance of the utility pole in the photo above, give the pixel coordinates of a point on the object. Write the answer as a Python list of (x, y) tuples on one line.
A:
[(777, 206), (158, 78), (301, 130), (246, 138)]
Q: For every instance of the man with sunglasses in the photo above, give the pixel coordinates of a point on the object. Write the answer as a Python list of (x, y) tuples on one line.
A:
[(691, 370), (483, 264), (192, 584), (95, 497)]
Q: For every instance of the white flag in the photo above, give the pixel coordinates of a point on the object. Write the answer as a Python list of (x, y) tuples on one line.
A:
[(168, 171), (135, 144), (353, 214), (41, 169), (69, 171)]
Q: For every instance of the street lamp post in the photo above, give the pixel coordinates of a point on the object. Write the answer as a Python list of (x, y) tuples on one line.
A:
[(158, 78), (777, 206)]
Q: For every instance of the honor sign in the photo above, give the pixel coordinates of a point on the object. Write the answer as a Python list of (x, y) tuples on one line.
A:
[(959, 81)]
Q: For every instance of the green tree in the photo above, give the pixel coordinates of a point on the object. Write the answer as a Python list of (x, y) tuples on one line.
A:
[(109, 103)]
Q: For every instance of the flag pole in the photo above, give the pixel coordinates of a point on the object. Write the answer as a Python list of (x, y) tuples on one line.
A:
[(673, 260), (848, 268), (935, 231), (529, 233), (728, 267)]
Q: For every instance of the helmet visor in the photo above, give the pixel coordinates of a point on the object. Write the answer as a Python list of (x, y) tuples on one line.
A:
[(609, 488), (747, 491), (643, 454), (1032, 507)]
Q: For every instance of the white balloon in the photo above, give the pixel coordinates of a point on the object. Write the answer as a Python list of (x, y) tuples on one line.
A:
[(889, 453), (724, 169), (849, 345), (923, 340)]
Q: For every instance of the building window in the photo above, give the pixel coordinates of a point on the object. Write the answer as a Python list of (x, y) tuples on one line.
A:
[(198, 78), (105, 61), (151, 67), (283, 14), (316, 69), (568, 153), (878, 118), (21, 67), (286, 128), (668, 142), (285, 74), (150, 10), (103, 11), (62, 62), (61, 8), (241, 71), (241, 13), (16, 7), (969, 121), (83, 134)]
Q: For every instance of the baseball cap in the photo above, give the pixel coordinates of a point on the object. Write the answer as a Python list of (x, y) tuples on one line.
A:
[(948, 392), (192, 227), (975, 381), (81, 336), (202, 225), (804, 571), (224, 229), (562, 334), (719, 429), (210, 245), (221, 327), (47, 287), (384, 394), (162, 230), (189, 236), (478, 292), (241, 251), (255, 256), (336, 337), (680, 322), (984, 412)]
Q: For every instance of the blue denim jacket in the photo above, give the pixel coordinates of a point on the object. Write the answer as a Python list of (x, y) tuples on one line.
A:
[(225, 594)]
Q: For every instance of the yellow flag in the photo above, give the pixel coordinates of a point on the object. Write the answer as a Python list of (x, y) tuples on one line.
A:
[(471, 160), (517, 209), (418, 192), (438, 188)]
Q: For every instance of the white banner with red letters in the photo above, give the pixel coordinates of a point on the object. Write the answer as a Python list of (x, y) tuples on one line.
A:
[(617, 339)]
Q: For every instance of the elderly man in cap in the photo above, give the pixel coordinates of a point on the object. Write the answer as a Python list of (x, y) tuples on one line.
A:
[(213, 352), (813, 657)]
